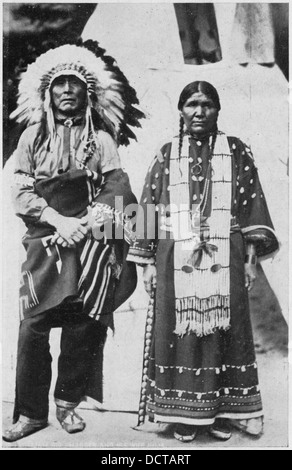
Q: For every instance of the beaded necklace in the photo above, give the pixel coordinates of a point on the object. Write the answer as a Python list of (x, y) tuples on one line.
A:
[(196, 170)]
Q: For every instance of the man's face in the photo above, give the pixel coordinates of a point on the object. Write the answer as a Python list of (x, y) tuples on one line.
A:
[(68, 95), (200, 114)]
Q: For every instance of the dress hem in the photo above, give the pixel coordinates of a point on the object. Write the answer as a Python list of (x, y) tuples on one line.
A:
[(205, 422)]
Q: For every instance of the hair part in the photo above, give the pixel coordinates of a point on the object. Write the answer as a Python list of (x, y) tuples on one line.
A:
[(199, 87)]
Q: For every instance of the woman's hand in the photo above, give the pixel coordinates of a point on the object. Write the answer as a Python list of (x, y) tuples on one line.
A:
[(250, 267), (150, 278), (250, 275)]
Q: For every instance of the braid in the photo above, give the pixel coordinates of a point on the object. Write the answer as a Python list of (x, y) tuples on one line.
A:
[(181, 134), (180, 142), (42, 134), (213, 141)]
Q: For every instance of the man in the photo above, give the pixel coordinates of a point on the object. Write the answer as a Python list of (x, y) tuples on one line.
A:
[(76, 104)]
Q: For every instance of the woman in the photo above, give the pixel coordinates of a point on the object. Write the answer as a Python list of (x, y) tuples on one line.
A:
[(199, 257)]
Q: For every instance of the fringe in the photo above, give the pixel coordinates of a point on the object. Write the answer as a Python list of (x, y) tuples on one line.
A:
[(119, 218), (202, 316), (209, 310)]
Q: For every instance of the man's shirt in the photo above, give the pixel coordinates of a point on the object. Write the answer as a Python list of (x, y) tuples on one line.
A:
[(34, 162)]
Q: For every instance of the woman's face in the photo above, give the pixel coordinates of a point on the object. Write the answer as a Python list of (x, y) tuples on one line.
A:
[(200, 114)]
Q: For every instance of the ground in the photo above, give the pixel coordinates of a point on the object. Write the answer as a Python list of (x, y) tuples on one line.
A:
[(115, 428)]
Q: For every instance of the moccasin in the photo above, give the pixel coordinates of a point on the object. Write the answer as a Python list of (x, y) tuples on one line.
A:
[(220, 429), (253, 427), (70, 420), (185, 432), (22, 429)]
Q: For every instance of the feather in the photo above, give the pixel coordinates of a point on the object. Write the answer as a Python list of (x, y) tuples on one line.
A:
[(111, 94)]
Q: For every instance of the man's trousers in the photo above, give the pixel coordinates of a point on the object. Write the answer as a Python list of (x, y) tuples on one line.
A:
[(79, 365)]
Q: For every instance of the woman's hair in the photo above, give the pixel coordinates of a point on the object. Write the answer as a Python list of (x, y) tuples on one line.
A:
[(199, 86), (181, 135), (189, 90)]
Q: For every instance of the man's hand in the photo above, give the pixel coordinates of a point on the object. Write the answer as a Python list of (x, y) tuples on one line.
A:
[(150, 278), (56, 239), (69, 230)]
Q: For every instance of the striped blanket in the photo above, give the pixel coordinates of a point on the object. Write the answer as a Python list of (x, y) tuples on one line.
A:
[(92, 278)]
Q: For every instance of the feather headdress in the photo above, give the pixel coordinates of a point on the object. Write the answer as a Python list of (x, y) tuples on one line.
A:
[(109, 92)]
